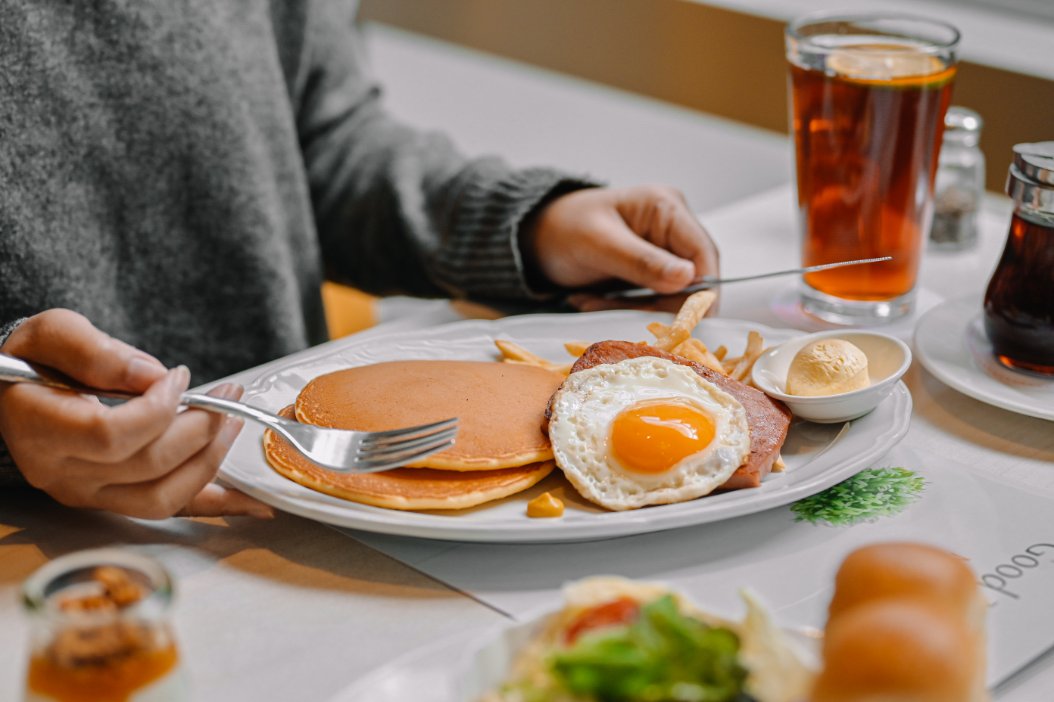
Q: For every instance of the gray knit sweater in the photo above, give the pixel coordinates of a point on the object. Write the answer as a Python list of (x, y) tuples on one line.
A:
[(185, 173)]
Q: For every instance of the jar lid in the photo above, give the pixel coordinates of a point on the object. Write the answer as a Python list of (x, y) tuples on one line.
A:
[(1036, 161), (962, 119), (1031, 179)]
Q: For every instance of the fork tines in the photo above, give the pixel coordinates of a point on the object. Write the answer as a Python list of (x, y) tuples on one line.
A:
[(384, 450)]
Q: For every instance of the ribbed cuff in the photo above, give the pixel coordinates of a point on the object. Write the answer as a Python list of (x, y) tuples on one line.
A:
[(9, 473), (6, 329), (482, 258)]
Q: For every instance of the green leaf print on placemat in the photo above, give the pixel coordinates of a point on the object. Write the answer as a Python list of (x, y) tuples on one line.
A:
[(868, 495)]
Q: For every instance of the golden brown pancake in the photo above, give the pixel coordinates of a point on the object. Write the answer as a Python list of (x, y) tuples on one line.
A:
[(402, 488), (501, 407)]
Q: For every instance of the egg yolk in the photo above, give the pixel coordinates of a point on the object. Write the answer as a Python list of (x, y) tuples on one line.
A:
[(653, 437)]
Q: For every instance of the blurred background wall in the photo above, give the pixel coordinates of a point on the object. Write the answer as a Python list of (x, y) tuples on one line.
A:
[(725, 57)]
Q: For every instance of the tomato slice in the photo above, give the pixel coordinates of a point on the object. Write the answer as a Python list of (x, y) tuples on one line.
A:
[(621, 611)]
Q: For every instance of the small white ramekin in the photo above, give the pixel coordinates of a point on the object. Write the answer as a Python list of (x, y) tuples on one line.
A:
[(888, 358)]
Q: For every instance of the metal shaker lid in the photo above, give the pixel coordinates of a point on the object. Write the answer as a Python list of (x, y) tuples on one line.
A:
[(1031, 179), (962, 119), (962, 126)]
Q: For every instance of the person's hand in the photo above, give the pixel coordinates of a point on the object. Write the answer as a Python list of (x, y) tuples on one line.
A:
[(645, 235), (142, 458)]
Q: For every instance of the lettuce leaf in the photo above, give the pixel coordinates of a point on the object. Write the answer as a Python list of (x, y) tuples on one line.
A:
[(664, 656)]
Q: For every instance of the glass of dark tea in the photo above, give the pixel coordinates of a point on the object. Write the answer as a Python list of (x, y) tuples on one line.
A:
[(868, 95), (1019, 301)]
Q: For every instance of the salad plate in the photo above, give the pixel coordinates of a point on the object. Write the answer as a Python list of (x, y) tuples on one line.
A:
[(465, 667)]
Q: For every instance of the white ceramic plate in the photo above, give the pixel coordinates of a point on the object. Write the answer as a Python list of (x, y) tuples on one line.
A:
[(951, 344), (817, 456), (463, 668)]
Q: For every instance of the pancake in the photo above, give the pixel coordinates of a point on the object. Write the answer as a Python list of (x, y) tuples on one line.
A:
[(501, 407), (402, 488)]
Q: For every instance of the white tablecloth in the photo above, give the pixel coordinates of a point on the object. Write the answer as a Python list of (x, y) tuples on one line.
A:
[(291, 609)]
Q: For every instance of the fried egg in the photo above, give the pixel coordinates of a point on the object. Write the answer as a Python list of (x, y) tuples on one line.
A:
[(646, 431)]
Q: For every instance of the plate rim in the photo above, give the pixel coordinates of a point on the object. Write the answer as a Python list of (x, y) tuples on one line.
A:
[(899, 403), (937, 367)]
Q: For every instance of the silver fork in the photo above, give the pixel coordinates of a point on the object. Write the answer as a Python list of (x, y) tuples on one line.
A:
[(340, 450)]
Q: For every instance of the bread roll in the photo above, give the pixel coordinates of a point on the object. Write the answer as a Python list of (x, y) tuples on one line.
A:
[(900, 569), (899, 650), (906, 624)]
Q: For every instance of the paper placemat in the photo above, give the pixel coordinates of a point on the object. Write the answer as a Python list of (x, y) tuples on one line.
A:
[(789, 555)]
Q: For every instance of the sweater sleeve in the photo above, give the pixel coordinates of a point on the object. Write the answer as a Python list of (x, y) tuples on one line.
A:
[(400, 210), (9, 474)]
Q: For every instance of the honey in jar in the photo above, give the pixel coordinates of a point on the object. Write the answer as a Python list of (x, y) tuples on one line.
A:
[(100, 631), (1019, 302)]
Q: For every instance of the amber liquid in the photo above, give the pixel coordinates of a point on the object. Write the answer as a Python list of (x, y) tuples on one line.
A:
[(112, 681), (1019, 303), (866, 161)]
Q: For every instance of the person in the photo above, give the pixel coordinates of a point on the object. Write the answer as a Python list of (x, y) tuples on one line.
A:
[(176, 180)]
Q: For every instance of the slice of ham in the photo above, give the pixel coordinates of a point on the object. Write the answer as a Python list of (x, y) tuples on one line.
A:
[(768, 419)]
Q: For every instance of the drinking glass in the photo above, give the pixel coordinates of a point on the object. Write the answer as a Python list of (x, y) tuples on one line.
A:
[(868, 97)]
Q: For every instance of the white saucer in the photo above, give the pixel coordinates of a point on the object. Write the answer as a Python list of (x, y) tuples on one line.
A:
[(951, 344)]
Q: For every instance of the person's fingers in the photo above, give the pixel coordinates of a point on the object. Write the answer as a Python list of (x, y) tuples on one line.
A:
[(217, 501), (70, 343), (689, 239), (624, 254), (661, 215), (93, 431), (189, 432), (164, 497)]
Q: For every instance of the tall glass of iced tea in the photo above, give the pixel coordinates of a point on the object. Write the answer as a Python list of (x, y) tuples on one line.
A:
[(868, 97)]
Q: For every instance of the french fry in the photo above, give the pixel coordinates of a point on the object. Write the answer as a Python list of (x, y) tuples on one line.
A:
[(755, 346), (658, 329), (576, 348), (687, 319), (695, 350), (730, 364), (665, 338), (687, 350), (514, 353), (720, 352), (511, 351)]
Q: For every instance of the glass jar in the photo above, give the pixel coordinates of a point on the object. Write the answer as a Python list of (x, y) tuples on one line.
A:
[(960, 182), (100, 631), (1019, 302)]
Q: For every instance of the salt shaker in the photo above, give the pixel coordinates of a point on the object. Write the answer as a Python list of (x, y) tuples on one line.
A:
[(960, 182)]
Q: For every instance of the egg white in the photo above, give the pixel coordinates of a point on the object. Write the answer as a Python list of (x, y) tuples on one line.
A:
[(585, 406)]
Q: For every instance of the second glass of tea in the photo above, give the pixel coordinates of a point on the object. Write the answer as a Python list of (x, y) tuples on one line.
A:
[(868, 97)]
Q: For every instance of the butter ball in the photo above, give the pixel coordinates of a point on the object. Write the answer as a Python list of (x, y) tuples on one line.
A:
[(827, 367)]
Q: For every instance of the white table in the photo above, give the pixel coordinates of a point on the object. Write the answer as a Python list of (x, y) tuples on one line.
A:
[(291, 609)]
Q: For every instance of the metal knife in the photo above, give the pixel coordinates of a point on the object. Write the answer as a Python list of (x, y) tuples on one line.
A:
[(711, 282)]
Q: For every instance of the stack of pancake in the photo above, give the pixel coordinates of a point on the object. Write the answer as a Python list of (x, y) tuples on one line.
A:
[(502, 447)]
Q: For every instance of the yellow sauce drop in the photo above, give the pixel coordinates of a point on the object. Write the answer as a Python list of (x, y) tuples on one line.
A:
[(545, 506)]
